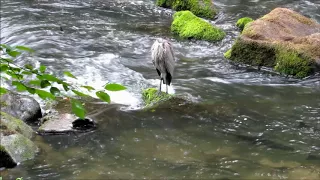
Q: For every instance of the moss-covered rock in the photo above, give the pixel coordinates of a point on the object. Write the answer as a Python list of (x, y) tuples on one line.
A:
[(152, 96), (188, 26), (293, 50), (201, 8), (12, 125), (15, 143), (16, 148), (242, 22)]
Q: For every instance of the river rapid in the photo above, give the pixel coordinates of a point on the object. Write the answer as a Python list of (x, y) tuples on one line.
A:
[(253, 124)]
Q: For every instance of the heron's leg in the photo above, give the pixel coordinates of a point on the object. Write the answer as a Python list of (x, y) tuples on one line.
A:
[(166, 88), (160, 86)]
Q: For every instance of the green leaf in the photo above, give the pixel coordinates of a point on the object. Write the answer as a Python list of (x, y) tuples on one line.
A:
[(50, 77), (114, 87), (23, 48), (65, 86), (55, 91), (27, 72), (103, 96), (31, 90), (3, 67), (3, 90), (6, 60), (13, 53), (42, 68), (44, 84), (14, 75), (16, 70), (28, 66), (67, 73), (35, 82), (89, 88), (19, 86), (78, 109), (5, 46), (79, 93), (44, 94)]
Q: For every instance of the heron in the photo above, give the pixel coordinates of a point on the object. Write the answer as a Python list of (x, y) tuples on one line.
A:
[(163, 60)]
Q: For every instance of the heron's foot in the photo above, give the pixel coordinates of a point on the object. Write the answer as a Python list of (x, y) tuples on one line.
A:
[(159, 93)]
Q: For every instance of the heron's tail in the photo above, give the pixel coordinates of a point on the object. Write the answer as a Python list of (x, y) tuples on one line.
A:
[(167, 79)]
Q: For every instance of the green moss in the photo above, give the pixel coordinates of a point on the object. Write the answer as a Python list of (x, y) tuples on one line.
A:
[(253, 53), (201, 8), (227, 54), (188, 26), (242, 22), (290, 62), (151, 96), (13, 124), (282, 58)]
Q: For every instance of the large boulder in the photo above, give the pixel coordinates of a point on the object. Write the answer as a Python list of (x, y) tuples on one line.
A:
[(188, 26), (201, 8), (15, 143), (21, 106), (283, 39)]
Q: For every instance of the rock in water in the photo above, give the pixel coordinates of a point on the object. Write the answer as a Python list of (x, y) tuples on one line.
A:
[(188, 26), (16, 148), (60, 123), (20, 106), (283, 39), (201, 8), (15, 143)]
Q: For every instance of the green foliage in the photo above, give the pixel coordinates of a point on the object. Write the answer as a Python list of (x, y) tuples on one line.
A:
[(114, 87), (242, 22), (41, 79), (201, 8), (189, 26)]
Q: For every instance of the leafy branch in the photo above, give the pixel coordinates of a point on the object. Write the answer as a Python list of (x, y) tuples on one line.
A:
[(41, 80)]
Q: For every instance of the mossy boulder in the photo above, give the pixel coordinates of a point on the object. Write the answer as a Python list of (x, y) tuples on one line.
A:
[(15, 144), (16, 148), (152, 96), (242, 22), (188, 26), (283, 39), (201, 8), (12, 125)]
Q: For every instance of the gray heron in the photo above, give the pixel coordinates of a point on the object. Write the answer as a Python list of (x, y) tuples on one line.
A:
[(163, 60)]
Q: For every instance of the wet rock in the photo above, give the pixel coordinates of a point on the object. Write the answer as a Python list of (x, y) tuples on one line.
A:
[(201, 8), (15, 148), (20, 106), (188, 26), (15, 144), (12, 125), (293, 50), (60, 123)]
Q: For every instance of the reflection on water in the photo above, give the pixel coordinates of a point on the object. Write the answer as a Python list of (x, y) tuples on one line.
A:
[(250, 124)]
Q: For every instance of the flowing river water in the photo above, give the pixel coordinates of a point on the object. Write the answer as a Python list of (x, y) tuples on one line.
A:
[(251, 124)]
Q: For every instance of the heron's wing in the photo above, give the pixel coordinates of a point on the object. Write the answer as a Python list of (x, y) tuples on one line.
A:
[(169, 60), (153, 52)]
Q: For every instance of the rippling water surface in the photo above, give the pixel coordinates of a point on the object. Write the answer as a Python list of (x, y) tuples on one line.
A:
[(252, 124)]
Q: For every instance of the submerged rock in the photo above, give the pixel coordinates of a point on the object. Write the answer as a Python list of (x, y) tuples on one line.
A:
[(60, 123), (188, 26), (20, 106), (283, 39), (201, 8)]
